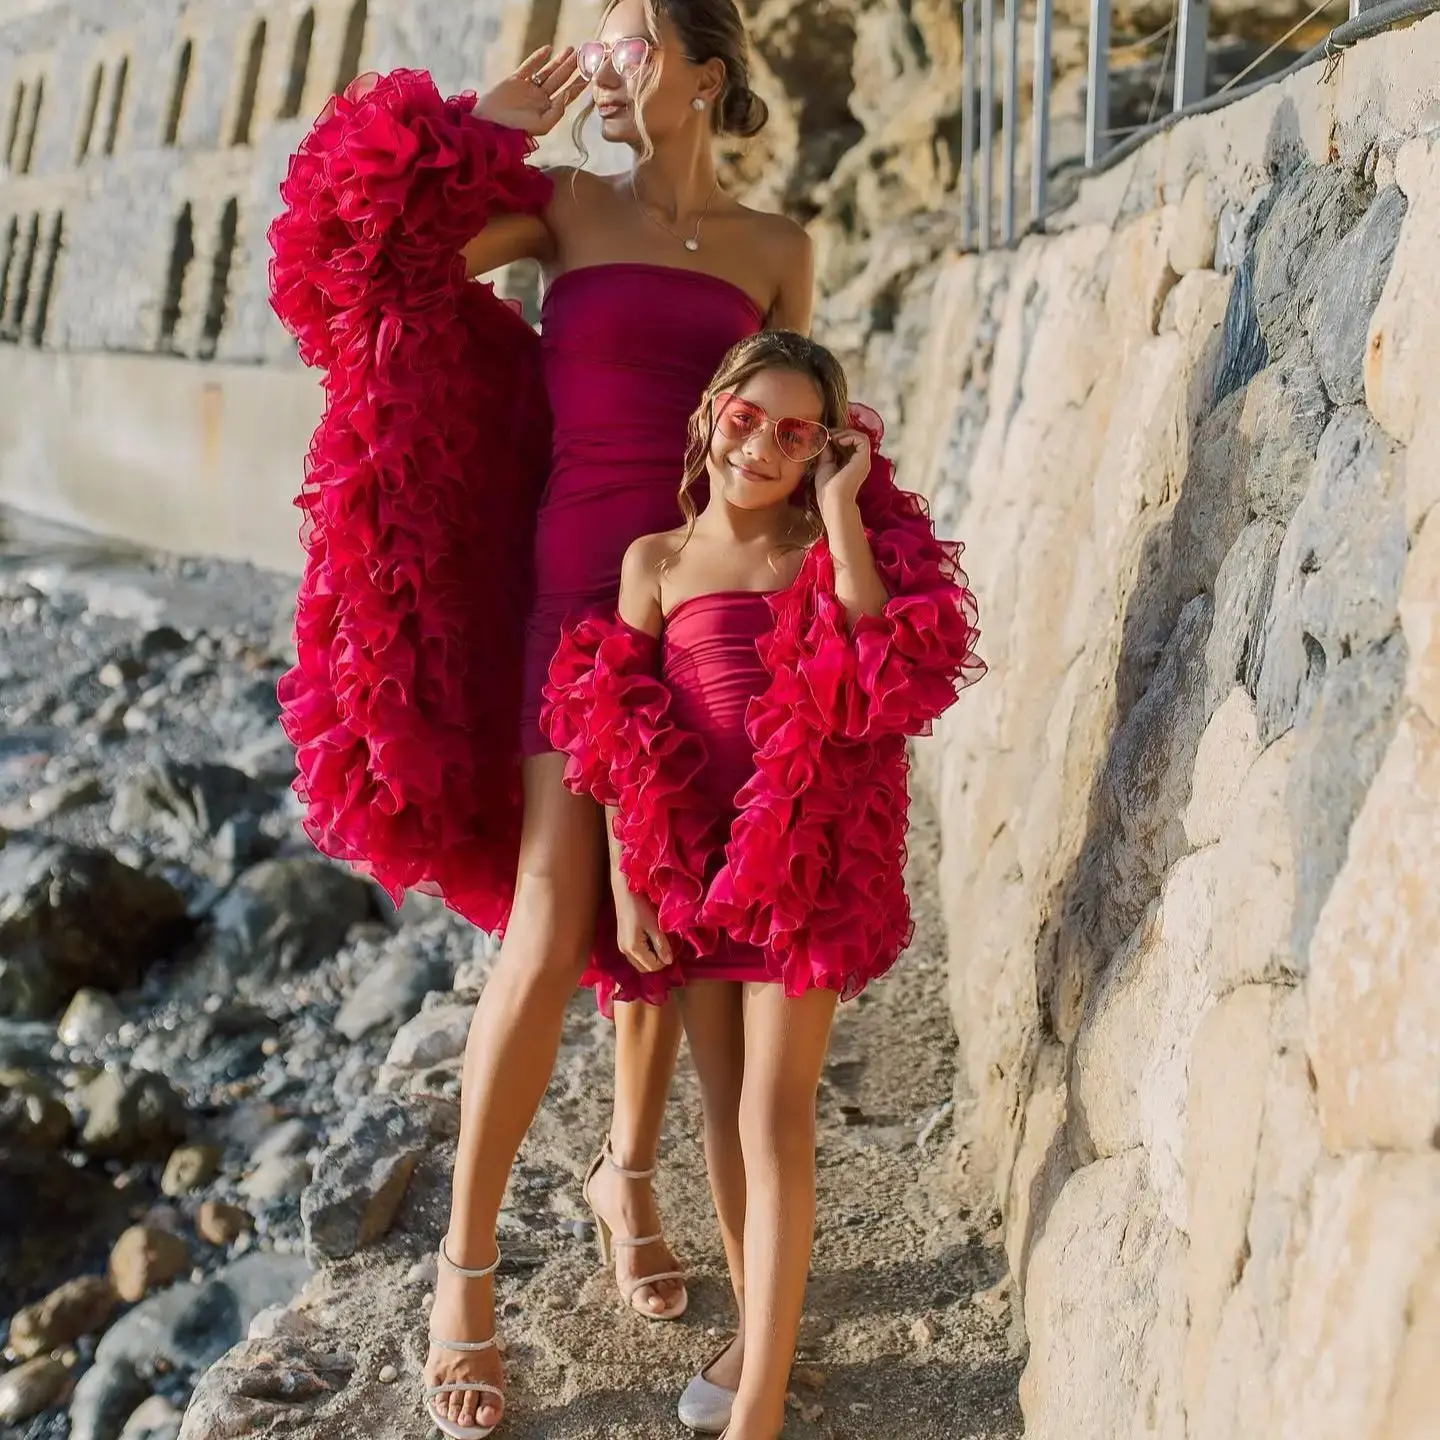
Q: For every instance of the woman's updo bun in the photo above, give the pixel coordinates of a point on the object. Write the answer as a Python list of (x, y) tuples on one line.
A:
[(742, 112)]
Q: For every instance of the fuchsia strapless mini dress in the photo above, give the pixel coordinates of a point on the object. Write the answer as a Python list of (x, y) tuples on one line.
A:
[(628, 351)]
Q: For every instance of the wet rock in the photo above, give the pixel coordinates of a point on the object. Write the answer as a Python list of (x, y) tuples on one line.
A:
[(188, 1168), (79, 1307), (144, 1259), (390, 994), (91, 1018), (131, 1116), (1349, 283), (217, 1223), (73, 917), (362, 1176), (154, 1419), (31, 1388), (281, 917), (107, 1393), (32, 1114), (189, 1326), (264, 1388)]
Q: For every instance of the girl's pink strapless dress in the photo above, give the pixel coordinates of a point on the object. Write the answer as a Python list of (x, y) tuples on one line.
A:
[(710, 665), (628, 350)]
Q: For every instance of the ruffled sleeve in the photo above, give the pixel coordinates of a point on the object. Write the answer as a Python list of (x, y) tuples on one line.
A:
[(403, 705)]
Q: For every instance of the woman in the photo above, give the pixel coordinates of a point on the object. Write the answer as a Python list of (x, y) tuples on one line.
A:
[(406, 745)]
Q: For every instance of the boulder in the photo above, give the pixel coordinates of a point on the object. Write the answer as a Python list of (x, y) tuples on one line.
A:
[(390, 993), (90, 1019), (144, 1259), (264, 1388), (79, 1307), (131, 1116)]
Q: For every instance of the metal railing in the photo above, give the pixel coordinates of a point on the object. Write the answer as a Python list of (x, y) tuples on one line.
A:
[(1187, 36)]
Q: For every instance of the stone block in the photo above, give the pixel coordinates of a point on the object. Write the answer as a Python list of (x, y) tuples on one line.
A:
[(1420, 618), (1228, 748)]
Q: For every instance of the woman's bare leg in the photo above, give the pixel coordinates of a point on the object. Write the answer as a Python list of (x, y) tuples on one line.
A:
[(647, 1042), (715, 1026), (514, 1039), (785, 1044)]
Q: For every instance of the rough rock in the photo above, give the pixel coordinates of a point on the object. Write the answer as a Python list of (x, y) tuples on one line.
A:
[(79, 1307), (1420, 619), (276, 1178), (189, 1326), (71, 917), (224, 1043), (1235, 652), (217, 1223), (90, 1018), (281, 917), (431, 1038), (263, 1388), (144, 1259), (32, 1387), (155, 1419), (1282, 417), (362, 1176), (53, 801), (1192, 246), (188, 1168), (188, 804), (131, 1115), (1228, 748), (32, 1114), (106, 1394), (389, 994), (1349, 283)]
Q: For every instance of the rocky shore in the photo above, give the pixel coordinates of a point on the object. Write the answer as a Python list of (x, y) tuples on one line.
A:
[(228, 1083)]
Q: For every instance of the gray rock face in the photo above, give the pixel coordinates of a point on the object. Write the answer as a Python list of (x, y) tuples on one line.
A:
[(390, 994), (281, 917), (1339, 569), (105, 1396), (187, 803), (131, 1116), (1342, 742), (1243, 590), (71, 917), (361, 1177), (263, 1388), (1348, 285), (1285, 414)]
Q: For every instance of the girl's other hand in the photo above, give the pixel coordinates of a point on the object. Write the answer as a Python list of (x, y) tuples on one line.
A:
[(841, 471), (535, 97), (641, 940)]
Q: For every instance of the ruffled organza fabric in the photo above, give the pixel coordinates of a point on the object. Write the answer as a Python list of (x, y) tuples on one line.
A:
[(420, 491), (811, 868)]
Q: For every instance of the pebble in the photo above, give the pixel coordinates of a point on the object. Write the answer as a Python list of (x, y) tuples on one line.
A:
[(32, 1387), (145, 1258), (217, 1223), (388, 1374)]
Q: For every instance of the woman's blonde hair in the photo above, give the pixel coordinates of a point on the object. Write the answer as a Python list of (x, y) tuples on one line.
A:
[(708, 30), (767, 350)]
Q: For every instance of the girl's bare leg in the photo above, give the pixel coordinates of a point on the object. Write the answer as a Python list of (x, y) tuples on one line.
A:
[(785, 1045), (714, 1023), (514, 1039), (647, 1042)]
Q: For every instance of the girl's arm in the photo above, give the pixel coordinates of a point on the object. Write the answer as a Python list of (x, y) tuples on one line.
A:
[(858, 585)]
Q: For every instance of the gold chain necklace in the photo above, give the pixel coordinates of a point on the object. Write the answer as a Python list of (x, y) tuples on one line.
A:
[(691, 243)]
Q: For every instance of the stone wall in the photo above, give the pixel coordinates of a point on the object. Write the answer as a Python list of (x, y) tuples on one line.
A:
[(1192, 817)]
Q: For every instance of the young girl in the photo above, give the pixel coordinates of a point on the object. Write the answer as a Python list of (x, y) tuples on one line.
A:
[(743, 720)]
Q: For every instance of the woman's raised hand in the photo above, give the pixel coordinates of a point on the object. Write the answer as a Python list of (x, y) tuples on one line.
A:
[(535, 97)]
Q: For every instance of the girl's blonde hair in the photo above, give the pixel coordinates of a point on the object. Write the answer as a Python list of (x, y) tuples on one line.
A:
[(708, 30), (767, 350)]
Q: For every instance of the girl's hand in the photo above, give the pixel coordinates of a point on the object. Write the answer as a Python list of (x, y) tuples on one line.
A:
[(841, 472), (535, 97), (641, 940)]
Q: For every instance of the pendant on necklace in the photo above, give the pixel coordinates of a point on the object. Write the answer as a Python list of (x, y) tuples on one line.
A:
[(692, 244)]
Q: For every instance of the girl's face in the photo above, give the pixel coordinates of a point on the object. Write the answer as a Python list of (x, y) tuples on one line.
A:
[(659, 68), (757, 435)]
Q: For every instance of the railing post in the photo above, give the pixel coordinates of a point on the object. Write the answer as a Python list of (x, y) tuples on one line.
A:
[(987, 122), (1191, 68), (1040, 119), (967, 127), (1097, 100), (1011, 120)]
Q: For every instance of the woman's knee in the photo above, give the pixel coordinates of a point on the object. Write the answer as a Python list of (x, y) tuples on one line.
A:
[(549, 935), (777, 1120)]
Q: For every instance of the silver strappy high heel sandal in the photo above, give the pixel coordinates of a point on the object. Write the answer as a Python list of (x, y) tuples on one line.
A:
[(465, 1347), (704, 1407), (609, 1242)]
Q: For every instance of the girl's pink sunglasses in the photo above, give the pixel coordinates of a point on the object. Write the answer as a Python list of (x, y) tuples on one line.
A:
[(627, 56), (798, 440)]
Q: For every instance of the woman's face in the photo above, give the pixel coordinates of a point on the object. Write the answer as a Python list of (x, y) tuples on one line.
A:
[(672, 81), (747, 465)]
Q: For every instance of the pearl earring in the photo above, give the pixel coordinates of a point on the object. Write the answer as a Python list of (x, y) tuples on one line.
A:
[(697, 103)]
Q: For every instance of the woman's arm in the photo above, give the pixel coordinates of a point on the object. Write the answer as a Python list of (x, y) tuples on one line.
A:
[(795, 300)]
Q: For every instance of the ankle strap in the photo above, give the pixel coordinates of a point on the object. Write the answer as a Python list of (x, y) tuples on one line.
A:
[(460, 1270), (620, 1169)]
